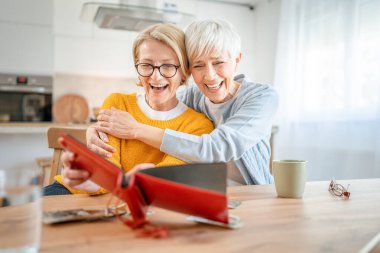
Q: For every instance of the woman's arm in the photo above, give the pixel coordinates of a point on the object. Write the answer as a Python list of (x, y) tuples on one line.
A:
[(122, 125), (250, 124)]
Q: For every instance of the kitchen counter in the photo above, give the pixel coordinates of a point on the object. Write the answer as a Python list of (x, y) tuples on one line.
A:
[(28, 127)]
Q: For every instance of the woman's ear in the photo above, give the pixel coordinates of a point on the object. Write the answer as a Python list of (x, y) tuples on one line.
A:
[(138, 83), (237, 60), (183, 78)]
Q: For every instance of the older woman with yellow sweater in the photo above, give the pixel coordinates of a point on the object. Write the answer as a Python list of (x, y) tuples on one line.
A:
[(161, 63)]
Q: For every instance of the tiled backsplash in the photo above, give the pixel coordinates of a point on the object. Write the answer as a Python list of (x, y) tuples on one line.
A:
[(94, 88)]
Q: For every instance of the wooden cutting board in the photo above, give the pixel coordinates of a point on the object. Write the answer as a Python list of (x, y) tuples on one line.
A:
[(70, 108)]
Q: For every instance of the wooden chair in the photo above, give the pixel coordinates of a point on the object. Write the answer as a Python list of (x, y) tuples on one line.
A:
[(53, 134)]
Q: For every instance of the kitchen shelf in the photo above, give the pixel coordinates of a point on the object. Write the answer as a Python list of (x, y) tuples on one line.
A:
[(31, 128)]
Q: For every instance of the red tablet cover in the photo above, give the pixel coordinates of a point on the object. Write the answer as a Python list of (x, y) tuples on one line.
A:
[(195, 189)]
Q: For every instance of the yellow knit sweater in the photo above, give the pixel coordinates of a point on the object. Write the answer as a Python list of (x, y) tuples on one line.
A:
[(132, 152)]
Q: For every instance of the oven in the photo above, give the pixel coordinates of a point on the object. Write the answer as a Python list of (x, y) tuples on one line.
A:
[(25, 98)]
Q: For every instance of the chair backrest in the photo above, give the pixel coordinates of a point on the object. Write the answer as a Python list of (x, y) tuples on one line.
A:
[(53, 134)]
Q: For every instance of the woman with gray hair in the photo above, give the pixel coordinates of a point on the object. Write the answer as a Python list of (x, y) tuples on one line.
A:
[(241, 111)]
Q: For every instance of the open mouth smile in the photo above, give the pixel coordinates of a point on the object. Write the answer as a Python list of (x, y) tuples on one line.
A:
[(214, 86), (158, 86)]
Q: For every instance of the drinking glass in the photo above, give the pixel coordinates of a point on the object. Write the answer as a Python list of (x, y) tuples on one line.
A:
[(20, 210)]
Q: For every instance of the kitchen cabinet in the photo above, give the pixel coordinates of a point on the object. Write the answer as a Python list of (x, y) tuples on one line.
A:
[(83, 48), (26, 49), (26, 43), (36, 12)]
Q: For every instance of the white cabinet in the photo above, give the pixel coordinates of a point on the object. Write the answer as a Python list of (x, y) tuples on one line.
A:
[(26, 49), (82, 48), (26, 44), (36, 12), (92, 57)]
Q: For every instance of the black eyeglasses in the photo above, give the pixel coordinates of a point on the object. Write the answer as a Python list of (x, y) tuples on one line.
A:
[(338, 189), (166, 70)]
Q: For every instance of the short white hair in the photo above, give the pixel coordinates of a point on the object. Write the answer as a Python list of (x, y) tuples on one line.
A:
[(206, 36)]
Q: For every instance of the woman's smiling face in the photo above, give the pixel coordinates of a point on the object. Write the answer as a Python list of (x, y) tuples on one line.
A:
[(214, 75), (160, 92)]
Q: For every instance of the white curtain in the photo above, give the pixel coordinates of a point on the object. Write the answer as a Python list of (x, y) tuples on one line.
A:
[(328, 80)]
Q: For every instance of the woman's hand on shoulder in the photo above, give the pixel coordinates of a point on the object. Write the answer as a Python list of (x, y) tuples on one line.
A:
[(118, 123), (97, 142)]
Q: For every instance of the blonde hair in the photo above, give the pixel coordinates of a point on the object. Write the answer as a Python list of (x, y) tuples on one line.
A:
[(205, 36), (170, 35)]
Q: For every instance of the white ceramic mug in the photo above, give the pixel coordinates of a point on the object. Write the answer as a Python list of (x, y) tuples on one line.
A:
[(289, 177)]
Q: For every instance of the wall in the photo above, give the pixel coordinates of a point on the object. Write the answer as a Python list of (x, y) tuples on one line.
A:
[(94, 88), (263, 53)]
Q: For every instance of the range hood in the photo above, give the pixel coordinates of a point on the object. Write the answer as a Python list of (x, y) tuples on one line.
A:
[(129, 17)]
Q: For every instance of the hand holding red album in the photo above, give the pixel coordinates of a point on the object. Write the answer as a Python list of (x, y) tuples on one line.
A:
[(72, 176), (79, 179), (195, 189)]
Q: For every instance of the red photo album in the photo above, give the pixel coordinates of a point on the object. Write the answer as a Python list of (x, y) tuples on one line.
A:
[(194, 189)]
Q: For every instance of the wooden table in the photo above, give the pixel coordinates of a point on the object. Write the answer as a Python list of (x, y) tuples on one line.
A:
[(319, 222)]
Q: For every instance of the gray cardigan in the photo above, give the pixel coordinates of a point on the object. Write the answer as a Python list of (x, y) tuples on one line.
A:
[(243, 136)]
